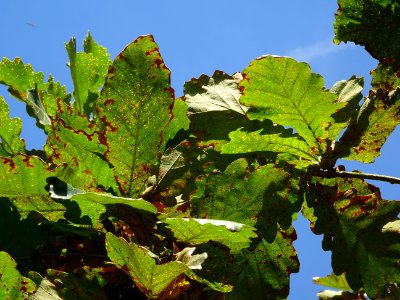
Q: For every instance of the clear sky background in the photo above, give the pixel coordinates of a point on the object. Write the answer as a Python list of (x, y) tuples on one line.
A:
[(197, 37)]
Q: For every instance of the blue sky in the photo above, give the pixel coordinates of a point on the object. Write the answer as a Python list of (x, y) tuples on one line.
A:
[(196, 38)]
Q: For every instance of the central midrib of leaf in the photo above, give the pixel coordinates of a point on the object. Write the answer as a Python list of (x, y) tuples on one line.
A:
[(135, 147)]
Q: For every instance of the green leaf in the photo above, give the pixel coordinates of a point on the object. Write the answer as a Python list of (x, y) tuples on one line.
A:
[(334, 281), (217, 93), (10, 130), (88, 72), (99, 206), (135, 108), (29, 87), (377, 118), (266, 269), (74, 146), (178, 124), (260, 199), (23, 180), (18, 77), (374, 24), (150, 278), (348, 92), (192, 232), (274, 139), (287, 93), (12, 284), (355, 233)]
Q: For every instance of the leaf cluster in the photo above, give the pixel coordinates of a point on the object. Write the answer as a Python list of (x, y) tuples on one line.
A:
[(138, 194)]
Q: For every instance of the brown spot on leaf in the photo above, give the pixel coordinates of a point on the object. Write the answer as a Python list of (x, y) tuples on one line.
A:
[(10, 162), (109, 102), (26, 161)]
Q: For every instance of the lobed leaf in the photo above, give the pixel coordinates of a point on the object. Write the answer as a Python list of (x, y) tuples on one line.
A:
[(261, 199), (10, 130), (266, 268), (135, 107), (88, 72), (150, 278), (74, 146), (377, 118), (374, 24), (355, 233), (287, 93), (217, 93)]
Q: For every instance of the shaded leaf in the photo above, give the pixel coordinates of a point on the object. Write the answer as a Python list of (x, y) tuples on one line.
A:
[(135, 108), (287, 93), (355, 232), (88, 72), (174, 132), (150, 278), (10, 130), (374, 24), (266, 268), (12, 284), (59, 285), (260, 199)]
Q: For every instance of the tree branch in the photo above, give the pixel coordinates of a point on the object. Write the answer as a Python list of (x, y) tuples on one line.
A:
[(345, 174)]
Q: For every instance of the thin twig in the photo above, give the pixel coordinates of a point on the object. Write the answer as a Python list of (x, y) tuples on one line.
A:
[(345, 174)]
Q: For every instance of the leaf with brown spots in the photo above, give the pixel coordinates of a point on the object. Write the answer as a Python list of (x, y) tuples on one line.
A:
[(12, 284), (135, 108), (352, 216)]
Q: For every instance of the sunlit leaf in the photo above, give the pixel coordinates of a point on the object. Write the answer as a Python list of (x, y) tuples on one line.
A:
[(23, 180), (88, 72), (12, 284), (334, 281), (150, 278), (377, 118), (287, 93), (10, 130), (135, 108)]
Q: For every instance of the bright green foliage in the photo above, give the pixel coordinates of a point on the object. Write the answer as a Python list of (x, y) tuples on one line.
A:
[(135, 108), (287, 93), (137, 194), (334, 281), (10, 129), (23, 180), (88, 72), (12, 284), (150, 278)]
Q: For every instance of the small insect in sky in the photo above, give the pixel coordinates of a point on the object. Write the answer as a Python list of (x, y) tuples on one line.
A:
[(30, 24)]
